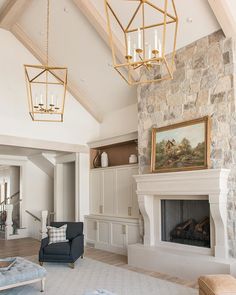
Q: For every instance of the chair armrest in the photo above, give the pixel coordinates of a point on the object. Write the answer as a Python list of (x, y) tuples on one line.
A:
[(44, 242), (77, 246)]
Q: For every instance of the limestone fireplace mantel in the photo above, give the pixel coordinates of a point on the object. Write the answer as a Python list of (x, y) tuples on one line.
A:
[(210, 184), (187, 184)]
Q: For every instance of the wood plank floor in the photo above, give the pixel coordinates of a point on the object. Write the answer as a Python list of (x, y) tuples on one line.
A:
[(30, 247), (21, 247)]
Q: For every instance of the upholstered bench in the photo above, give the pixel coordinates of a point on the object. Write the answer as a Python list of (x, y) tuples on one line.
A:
[(23, 272), (217, 285)]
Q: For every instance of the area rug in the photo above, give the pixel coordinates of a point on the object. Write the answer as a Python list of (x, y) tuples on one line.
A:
[(90, 275)]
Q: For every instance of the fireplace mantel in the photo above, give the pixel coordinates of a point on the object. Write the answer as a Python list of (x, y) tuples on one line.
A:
[(197, 182), (209, 184), (187, 184)]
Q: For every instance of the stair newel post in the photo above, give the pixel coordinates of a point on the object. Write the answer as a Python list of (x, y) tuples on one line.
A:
[(44, 217), (9, 221)]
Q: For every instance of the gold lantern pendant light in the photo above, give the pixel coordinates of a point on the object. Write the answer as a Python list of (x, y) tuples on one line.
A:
[(139, 45), (46, 87)]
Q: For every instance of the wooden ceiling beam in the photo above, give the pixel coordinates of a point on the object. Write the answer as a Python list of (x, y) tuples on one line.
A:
[(225, 17), (11, 11), (40, 55)]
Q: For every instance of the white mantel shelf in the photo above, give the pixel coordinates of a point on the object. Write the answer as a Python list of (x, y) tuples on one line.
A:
[(157, 255), (185, 182)]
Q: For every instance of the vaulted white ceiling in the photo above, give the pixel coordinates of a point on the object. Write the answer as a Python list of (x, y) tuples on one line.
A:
[(196, 18), (76, 43)]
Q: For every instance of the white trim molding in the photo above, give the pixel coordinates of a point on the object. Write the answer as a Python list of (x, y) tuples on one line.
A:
[(16, 141), (113, 140)]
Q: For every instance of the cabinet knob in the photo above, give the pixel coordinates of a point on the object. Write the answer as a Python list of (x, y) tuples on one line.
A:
[(129, 211)]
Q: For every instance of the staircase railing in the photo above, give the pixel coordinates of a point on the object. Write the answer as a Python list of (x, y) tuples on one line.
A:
[(45, 220), (2, 216), (36, 218), (3, 211)]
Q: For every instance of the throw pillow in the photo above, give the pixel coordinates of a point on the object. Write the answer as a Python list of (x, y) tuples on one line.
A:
[(57, 234)]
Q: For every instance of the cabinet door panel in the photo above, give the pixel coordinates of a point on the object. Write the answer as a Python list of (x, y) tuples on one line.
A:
[(91, 230), (103, 232), (123, 191), (118, 235), (95, 192), (133, 234), (109, 191)]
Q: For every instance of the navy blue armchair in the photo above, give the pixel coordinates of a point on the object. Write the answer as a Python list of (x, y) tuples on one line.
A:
[(67, 252)]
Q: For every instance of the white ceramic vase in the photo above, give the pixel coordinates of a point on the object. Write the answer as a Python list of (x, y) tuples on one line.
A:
[(104, 160), (133, 159)]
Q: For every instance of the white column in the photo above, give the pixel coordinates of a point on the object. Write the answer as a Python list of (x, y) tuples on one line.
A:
[(146, 205), (9, 222), (58, 192), (44, 216)]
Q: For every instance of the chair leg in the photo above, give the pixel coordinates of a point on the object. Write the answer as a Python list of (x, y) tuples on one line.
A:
[(41, 263), (72, 265), (82, 256), (43, 285)]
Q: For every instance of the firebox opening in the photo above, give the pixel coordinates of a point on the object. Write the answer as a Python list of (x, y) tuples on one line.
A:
[(186, 222)]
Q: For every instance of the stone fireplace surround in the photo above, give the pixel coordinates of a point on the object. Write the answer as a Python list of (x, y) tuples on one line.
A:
[(184, 261)]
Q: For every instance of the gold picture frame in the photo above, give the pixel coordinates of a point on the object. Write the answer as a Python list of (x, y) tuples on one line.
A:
[(182, 146)]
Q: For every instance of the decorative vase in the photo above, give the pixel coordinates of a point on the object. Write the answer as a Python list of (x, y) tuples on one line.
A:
[(133, 159), (97, 160), (104, 160)]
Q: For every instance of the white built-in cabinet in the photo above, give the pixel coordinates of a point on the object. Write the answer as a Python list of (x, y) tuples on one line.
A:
[(113, 191), (112, 234), (113, 221)]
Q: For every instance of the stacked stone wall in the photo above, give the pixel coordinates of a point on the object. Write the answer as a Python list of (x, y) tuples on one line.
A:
[(203, 85)]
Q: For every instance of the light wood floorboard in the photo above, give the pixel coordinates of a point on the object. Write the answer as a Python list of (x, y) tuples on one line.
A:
[(30, 247)]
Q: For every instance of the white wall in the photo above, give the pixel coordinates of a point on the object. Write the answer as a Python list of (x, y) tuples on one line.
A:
[(83, 185), (78, 127), (39, 196), (120, 122), (14, 180), (12, 174), (69, 191)]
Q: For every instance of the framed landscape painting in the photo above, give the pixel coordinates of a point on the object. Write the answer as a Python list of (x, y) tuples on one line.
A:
[(183, 146)]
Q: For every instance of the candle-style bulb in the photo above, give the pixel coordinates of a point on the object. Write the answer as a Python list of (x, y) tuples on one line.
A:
[(57, 106), (156, 41), (149, 51), (52, 100), (128, 46), (41, 99), (160, 48), (135, 53), (139, 39)]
